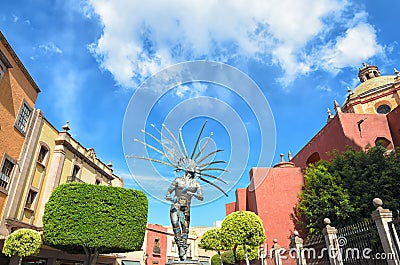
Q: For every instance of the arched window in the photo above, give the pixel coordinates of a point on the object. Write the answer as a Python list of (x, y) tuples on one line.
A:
[(382, 141), (42, 154), (313, 158), (74, 175)]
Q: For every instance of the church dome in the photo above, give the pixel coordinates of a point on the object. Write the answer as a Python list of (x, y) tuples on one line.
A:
[(373, 84), (375, 95)]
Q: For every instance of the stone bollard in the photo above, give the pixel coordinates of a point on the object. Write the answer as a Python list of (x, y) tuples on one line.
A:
[(276, 252), (330, 234), (297, 244), (382, 218)]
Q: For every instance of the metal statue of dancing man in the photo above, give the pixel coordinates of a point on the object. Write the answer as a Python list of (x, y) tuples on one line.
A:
[(184, 188)]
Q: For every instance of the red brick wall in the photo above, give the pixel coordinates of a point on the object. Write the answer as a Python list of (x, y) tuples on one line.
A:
[(330, 137), (153, 232), (373, 126), (241, 202), (276, 198), (393, 118), (344, 131), (230, 208)]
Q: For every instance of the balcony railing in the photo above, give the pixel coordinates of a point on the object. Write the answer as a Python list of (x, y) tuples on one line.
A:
[(74, 179)]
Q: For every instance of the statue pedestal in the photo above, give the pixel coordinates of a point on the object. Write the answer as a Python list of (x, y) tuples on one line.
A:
[(183, 262)]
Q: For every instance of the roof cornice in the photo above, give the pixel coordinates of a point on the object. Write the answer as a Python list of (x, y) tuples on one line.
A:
[(18, 61)]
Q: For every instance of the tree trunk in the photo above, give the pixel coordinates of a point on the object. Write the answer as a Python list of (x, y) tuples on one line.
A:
[(91, 255), (220, 257), (15, 260), (234, 254), (245, 254)]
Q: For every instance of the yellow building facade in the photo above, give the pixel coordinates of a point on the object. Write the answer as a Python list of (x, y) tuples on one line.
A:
[(50, 158)]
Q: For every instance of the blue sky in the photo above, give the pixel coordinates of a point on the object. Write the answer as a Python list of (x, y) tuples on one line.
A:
[(89, 58)]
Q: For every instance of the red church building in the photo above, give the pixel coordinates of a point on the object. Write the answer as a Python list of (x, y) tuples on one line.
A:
[(370, 113)]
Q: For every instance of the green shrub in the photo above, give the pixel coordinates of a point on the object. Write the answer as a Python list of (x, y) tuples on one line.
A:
[(215, 260), (103, 218), (23, 243), (242, 227), (228, 257)]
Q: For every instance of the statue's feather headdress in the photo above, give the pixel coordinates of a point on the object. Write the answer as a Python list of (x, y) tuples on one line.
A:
[(177, 156)]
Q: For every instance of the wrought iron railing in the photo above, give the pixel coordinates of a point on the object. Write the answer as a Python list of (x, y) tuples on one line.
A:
[(360, 244), (74, 179)]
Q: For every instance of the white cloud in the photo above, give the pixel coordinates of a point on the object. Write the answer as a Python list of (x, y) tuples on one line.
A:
[(324, 88), (141, 37), (358, 44), (195, 90), (50, 48), (15, 18)]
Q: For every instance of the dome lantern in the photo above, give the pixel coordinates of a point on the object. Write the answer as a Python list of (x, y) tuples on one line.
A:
[(367, 72)]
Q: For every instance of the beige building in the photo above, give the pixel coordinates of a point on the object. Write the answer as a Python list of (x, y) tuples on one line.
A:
[(18, 93), (194, 251), (49, 158)]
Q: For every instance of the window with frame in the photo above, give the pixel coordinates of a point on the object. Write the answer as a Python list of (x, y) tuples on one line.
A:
[(75, 172), (23, 118), (156, 246), (31, 198), (42, 154), (5, 174), (4, 64), (3, 69)]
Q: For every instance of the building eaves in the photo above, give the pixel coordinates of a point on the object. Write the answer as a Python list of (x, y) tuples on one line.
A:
[(18, 61)]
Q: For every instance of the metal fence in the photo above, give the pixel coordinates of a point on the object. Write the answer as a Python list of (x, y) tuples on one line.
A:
[(315, 251), (360, 244)]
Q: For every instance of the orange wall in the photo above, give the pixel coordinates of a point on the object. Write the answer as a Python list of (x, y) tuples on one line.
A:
[(14, 87)]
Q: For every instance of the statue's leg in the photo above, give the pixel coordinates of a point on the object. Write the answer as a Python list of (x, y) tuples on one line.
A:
[(184, 222), (176, 221), (184, 233), (174, 217)]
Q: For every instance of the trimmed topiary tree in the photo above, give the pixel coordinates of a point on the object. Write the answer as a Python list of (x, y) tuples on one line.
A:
[(92, 219), (215, 260), (251, 251), (211, 241), (228, 257), (242, 228), (22, 243)]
